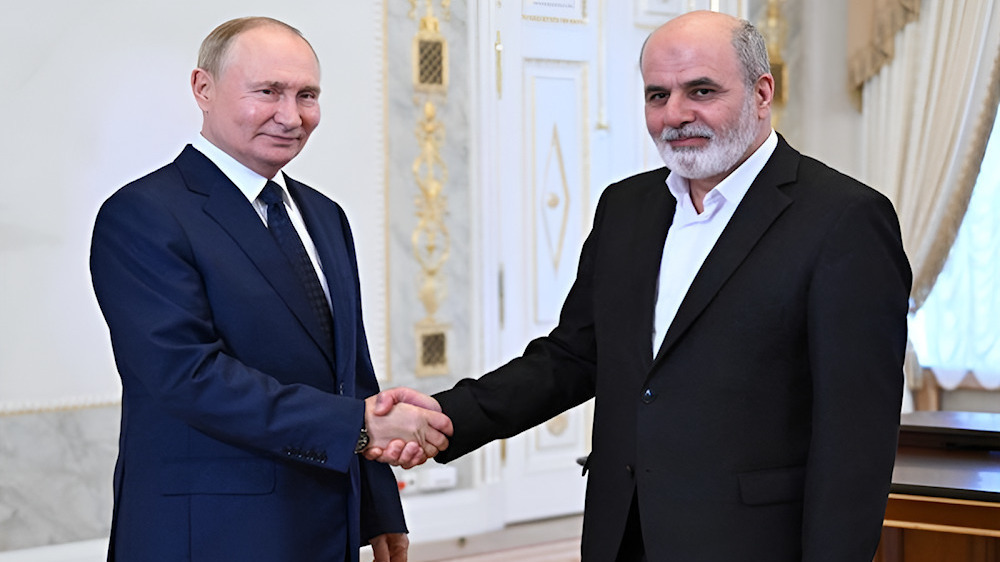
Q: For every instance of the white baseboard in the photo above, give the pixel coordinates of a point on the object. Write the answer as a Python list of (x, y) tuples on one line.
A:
[(83, 551), (434, 516), (453, 514)]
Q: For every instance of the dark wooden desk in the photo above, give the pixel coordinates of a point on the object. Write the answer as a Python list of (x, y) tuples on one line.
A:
[(945, 500)]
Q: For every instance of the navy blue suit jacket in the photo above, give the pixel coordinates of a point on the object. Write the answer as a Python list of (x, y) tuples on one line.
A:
[(765, 427), (238, 422)]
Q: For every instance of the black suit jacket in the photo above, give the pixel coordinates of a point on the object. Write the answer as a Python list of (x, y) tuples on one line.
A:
[(765, 428), (238, 418)]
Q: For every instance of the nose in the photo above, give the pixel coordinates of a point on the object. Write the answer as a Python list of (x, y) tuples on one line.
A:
[(677, 112), (287, 113)]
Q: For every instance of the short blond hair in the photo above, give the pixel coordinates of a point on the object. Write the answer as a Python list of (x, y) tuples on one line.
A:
[(215, 48)]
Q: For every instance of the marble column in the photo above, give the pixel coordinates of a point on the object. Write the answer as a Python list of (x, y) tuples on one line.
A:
[(55, 476)]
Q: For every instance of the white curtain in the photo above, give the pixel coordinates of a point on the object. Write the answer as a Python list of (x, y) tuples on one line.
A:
[(957, 331), (927, 116)]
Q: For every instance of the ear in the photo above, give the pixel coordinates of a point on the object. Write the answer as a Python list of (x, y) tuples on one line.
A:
[(764, 95), (202, 86)]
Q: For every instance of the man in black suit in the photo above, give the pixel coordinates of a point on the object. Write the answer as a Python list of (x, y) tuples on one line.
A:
[(740, 317), (232, 296)]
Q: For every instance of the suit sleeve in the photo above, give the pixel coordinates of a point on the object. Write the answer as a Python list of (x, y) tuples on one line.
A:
[(554, 374), (381, 509), (856, 335), (152, 291)]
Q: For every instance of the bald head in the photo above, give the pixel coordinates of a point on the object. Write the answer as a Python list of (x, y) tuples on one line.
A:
[(707, 94), (747, 43)]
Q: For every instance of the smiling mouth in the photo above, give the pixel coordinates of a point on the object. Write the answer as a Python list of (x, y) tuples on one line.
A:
[(282, 139), (688, 143)]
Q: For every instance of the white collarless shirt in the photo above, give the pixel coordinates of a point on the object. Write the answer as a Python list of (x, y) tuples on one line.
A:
[(692, 235), (251, 183)]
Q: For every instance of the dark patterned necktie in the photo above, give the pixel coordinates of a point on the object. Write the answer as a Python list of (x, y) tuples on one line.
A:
[(284, 233)]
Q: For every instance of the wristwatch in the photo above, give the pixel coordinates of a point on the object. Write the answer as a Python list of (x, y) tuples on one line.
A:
[(363, 440)]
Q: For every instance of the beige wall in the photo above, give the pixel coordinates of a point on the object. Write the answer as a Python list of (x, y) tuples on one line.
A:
[(820, 119), (831, 124)]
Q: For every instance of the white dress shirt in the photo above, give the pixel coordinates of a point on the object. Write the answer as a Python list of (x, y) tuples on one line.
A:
[(692, 235), (251, 184)]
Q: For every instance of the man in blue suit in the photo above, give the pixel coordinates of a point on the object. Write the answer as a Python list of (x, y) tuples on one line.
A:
[(232, 296)]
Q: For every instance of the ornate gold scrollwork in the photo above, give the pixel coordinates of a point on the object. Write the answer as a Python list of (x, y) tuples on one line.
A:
[(431, 239), (430, 54), (431, 242)]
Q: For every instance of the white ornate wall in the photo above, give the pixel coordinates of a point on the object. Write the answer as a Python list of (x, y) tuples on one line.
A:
[(96, 94)]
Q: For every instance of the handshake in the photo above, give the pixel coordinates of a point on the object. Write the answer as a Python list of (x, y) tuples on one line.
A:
[(405, 427)]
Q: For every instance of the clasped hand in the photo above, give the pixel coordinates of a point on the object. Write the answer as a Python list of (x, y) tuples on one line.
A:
[(405, 427)]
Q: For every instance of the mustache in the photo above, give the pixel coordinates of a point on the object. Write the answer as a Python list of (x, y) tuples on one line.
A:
[(685, 132)]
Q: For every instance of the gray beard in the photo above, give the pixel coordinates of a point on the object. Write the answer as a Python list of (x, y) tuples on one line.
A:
[(722, 153)]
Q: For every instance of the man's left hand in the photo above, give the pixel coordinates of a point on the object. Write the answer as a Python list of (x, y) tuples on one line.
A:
[(390, 547)]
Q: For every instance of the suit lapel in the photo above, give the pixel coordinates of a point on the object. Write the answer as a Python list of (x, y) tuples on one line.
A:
[(654, 220), (231, 210), (328, 233), (761, 206)]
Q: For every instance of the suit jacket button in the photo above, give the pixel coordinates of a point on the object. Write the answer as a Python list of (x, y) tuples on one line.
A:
[(648, 396), (630, 470)]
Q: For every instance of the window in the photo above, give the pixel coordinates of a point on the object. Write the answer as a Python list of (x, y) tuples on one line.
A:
[(958, 328)]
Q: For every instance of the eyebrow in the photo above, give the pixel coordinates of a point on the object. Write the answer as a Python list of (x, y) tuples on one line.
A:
[(276, 85), (690, 84), (703, 81)]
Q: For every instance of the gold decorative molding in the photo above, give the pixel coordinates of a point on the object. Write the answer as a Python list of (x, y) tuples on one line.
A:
[(431, 242), (445, 7), (498, 47), (430, 55), (431, 239), (560, 433), (386, 175), (554, 19), (602, 47), (430, 173), (558, 425), (775, 31), (59, 405), (548, 19), (555, 198)]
